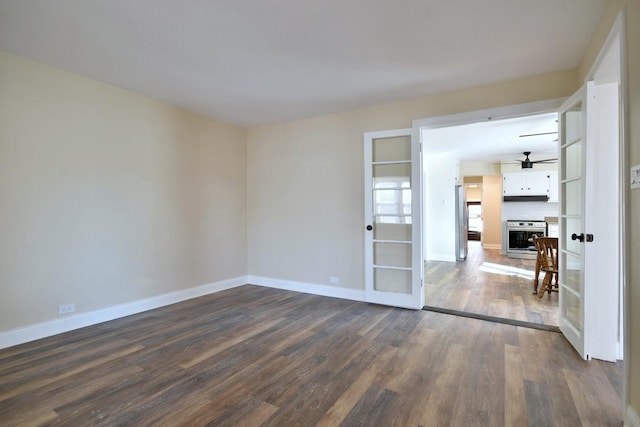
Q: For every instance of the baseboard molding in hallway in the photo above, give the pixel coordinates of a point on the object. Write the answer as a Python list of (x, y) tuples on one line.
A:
[(512, 322)]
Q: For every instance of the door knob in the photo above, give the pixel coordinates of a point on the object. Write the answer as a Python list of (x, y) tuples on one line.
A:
[(369, 227), (579, 237)]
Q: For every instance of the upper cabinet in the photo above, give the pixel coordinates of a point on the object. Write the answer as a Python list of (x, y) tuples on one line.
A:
[(553, 186), (514, 184), (538, 183), (528, 184)]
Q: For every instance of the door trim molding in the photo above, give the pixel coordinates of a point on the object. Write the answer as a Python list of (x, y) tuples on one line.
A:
[(498, 113)]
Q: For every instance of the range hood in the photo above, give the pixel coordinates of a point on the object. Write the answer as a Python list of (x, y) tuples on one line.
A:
[(526, 198)]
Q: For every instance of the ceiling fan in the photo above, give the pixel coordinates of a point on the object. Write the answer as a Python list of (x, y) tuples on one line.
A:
[(528, 164)]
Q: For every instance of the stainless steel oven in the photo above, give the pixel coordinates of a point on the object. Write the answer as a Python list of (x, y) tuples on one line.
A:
[(520, 237)]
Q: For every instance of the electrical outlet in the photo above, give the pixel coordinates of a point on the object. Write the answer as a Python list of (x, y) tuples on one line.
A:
[(334, 280), (66, 308)]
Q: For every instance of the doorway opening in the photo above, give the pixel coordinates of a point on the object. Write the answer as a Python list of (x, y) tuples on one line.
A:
[(474, 222), (478, 156), (490, 281)]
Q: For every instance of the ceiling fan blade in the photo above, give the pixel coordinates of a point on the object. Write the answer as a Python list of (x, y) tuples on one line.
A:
[(537, 134), (544, 161)]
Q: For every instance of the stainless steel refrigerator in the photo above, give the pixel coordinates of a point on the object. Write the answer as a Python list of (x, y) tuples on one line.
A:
[(462, 224)]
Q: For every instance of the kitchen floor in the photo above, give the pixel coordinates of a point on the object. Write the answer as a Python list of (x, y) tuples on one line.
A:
[(491, 284)]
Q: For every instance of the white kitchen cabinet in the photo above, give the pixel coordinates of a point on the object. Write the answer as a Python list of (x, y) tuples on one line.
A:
[(553, 186), (514, 184), (526, 184), (538, 183)]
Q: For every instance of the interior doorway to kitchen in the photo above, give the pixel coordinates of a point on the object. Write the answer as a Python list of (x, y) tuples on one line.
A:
[(476, 154)]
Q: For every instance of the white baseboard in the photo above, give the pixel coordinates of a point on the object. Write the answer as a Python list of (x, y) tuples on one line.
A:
[(492, 246), (69, 323), (309, 288), (632, 419), (441, 257)]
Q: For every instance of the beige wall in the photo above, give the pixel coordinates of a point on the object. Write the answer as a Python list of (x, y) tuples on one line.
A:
[(480, 169), (473, 194), (305, 179), (492, 211), (107, 197)]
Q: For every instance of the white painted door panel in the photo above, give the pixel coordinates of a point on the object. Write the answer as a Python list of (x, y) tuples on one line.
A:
[(393, 241)]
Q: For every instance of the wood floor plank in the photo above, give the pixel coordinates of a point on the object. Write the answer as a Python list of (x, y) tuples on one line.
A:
[(485, 372), (230, 342), (67, 390), (409, 370), (515, 398), (539, 404), (259, 356), (48, 379), (35, 417), (249, 413), (375, 407), (440, 404), (489, 283), (594, 409), (202, 405), (564, 406), (347, 401), (53, 362)]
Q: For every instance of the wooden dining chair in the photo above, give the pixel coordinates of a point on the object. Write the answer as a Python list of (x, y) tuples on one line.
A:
[(547, 262)]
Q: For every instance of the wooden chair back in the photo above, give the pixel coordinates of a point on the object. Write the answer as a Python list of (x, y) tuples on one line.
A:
[(547, 260), (547, 248)]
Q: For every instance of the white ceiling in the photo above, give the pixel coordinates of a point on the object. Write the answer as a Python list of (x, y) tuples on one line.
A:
[(497, 140), (253, 62)]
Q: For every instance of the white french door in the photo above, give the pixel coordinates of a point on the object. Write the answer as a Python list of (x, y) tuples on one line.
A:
[(393, 238), (574, 135)]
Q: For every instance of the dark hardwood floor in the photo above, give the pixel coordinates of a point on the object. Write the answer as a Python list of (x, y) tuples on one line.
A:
[(491, 284), (254, 356)]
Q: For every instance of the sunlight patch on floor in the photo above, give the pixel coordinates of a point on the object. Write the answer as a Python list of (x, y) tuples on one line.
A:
[(505, 270)]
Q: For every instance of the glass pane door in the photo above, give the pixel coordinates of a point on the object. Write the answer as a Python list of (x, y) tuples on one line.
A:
[(393, 257), (573, 128)]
